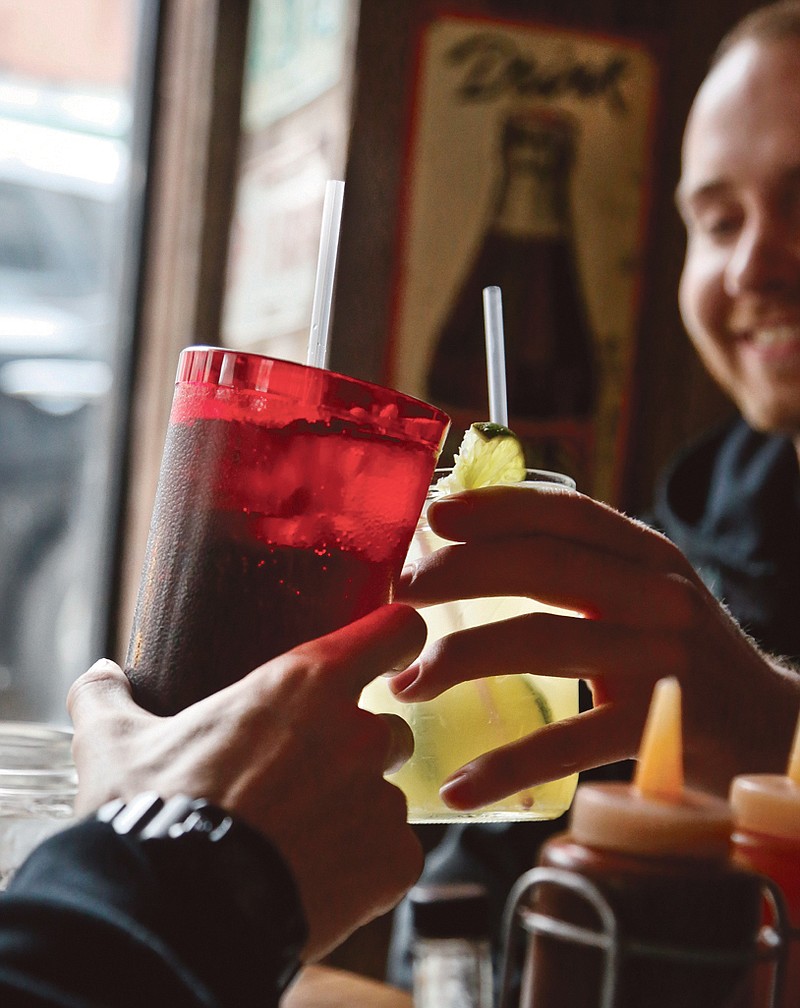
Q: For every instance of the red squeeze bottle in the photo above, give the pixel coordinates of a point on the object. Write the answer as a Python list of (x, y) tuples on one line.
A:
[(658, 852), (766, 839)]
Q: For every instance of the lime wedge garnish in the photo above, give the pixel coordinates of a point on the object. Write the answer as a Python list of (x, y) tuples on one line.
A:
[(489, 454), (542, 703)]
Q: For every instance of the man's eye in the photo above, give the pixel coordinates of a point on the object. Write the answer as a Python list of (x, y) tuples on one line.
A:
[(719, 226)]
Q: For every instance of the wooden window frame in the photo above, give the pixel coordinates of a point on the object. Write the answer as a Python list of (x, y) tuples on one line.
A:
[(193, 163)]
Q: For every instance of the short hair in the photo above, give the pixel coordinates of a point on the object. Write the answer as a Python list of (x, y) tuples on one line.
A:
[(773, 23)]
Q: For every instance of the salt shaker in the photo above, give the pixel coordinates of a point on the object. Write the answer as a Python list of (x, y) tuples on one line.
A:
[(452, 958)]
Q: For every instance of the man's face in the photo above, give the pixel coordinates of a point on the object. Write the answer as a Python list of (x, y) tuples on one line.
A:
[(739, 195)]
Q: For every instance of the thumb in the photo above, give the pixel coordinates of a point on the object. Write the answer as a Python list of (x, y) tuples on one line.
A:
[(102, 690), (104, 715)]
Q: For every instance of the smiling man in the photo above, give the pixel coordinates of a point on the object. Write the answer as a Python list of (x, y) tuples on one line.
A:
[(732, 502), (739, 196)]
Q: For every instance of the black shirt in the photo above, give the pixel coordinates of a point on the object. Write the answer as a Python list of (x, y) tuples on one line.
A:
[(93, 918)]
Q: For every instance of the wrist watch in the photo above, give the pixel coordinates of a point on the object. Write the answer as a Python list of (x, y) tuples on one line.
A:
[(149, 817), (251, 871)]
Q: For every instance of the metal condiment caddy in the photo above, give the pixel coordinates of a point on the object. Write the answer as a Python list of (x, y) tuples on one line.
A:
[(770, 947)]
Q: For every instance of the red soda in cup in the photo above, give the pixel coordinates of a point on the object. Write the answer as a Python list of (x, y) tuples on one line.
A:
[(287, 499)]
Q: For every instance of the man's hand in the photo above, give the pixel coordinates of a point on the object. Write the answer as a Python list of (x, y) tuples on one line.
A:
[(289, 751), (647, 615)]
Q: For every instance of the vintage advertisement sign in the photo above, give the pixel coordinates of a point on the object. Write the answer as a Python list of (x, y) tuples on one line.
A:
[(527, 167)]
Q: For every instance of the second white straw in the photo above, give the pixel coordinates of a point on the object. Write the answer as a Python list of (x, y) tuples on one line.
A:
[(326, 274), (495, 355)]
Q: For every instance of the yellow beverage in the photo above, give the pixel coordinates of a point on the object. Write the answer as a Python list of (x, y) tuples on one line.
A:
[(474, 717)]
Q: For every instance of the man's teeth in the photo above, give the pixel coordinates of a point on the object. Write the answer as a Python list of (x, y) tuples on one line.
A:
[(776, 336)]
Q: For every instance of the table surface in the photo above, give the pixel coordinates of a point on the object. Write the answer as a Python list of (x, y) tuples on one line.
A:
[(324, 987)]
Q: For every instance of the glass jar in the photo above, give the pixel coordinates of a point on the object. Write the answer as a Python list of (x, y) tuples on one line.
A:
[(38, 783), (478, 715)]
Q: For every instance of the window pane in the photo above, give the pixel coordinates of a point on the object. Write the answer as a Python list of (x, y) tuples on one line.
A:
[(295, 122), (72, 139)]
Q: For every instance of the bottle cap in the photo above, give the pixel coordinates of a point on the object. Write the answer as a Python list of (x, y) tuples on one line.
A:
[(767, 803), (612, 816), (657, 816), (450, 910), (770, 803)]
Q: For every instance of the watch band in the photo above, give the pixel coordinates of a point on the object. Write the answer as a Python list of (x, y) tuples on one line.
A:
[(251, 871), (148, 816)]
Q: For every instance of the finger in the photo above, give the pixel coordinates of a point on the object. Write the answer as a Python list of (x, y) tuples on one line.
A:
[(496, 512), (559, 573), (544, 644), (386, 640), (401, 743), (104, 688), (595, 738)]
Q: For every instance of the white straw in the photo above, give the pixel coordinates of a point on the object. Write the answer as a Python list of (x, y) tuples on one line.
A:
[(326, 273), (495, 355)]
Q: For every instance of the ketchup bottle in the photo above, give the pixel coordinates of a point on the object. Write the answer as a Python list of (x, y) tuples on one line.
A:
[(766, 839)]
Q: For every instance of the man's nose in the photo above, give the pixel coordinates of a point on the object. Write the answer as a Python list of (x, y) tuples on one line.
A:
[(766, 257)]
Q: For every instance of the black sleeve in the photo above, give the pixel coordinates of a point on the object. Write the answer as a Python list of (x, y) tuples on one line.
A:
[(93, 918)]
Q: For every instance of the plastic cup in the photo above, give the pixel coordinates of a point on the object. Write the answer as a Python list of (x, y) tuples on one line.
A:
[(287, 499), (474, 717)]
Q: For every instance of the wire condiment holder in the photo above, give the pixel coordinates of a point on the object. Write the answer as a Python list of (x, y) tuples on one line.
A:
[(769, 949)]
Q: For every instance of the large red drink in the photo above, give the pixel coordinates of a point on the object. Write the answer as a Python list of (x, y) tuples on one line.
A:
[(287, 499)]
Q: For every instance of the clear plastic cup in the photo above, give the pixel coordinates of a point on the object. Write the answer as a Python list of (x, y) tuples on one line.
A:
[(287, 498)]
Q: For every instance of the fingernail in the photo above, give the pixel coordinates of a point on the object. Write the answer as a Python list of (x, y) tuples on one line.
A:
[(455, 791), (404, 679), (451, 503), (408, 572), (104, 665)]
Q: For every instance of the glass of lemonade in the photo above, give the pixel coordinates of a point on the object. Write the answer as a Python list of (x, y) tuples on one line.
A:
[(286, 503), (474, 717)]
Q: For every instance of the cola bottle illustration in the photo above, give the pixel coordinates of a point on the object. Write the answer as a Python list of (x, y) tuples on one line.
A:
[(528, 251)]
